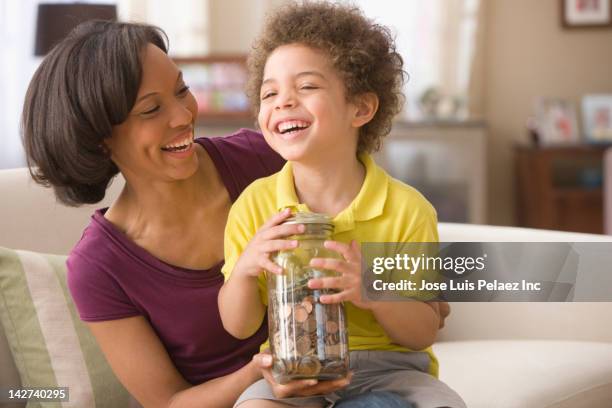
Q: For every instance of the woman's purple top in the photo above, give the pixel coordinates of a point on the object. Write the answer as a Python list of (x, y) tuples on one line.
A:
[(110, 277)]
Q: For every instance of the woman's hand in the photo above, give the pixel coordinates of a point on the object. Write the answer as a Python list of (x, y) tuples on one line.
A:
[(443, 309), (349, 282), (298, 388), (269, 239)]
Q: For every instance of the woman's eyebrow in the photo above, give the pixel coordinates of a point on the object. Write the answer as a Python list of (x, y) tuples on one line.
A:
[(178, 79), (146, 96)]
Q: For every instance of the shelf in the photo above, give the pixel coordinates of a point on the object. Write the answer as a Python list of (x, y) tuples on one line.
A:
[(218, 84), (579, 148), (224, 117), (578, 193)]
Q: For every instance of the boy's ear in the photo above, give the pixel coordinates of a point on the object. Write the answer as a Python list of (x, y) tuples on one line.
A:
[(367, 105)]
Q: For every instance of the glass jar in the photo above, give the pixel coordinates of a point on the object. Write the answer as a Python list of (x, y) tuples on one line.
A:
[(308, 339)]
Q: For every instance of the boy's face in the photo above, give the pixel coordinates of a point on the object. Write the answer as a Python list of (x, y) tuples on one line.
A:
[(304, 114)]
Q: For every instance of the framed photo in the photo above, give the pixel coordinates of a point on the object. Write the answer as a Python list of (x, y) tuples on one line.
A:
[(597, 118), (556, 122), (586, 13)]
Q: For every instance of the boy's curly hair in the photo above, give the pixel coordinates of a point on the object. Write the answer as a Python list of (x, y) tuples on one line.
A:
[(362, 51)]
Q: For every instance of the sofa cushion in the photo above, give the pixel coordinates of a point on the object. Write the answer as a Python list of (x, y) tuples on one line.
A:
[(528, 373), (50, 345)]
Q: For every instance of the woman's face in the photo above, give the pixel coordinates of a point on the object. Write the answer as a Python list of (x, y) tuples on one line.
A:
[(155, 142)]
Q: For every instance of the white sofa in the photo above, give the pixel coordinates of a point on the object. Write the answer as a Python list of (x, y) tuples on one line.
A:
[(501, 355)]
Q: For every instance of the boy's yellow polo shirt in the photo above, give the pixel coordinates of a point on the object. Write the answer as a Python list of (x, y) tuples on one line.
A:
[(385, 210)]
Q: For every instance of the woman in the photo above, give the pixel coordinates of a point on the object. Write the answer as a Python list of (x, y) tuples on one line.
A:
[(146, 272)]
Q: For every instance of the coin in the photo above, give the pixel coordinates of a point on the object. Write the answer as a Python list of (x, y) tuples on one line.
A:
[(309, 366), (301, 315), (339, 367), (307, 305), (310, 325), (303, 345), (331, 339), (331, 327), (332, 350), (291, 365)]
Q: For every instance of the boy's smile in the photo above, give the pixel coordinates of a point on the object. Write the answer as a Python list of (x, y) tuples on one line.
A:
[(304, 113), (290, 128)]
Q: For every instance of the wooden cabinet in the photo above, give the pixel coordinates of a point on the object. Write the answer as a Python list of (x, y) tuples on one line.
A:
[(560, 188)]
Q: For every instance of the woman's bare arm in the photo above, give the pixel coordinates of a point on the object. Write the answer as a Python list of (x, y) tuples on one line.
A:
[(143, 366)]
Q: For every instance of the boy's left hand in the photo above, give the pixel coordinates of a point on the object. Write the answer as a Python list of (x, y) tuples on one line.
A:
[(349, 282)]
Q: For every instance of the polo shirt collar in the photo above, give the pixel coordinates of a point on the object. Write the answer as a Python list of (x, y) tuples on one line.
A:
[(368, 204)]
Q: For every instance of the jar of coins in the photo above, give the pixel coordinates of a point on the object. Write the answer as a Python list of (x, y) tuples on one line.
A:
[(308, 339)]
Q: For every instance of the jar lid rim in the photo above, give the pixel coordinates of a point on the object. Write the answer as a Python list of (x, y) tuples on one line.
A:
[(309, 218)]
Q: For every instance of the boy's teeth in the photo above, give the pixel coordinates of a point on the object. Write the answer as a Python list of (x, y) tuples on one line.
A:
[(283, 126)]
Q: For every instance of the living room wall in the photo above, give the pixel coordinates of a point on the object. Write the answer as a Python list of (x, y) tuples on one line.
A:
[(528, 54), (524, 53)]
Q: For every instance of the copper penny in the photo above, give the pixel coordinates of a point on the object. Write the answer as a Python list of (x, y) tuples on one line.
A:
[(310, 325), (309, 366), (331, 339), (332, 350), (336, 367), (307, 305), (301, 315), (303, 345), (331, 326)]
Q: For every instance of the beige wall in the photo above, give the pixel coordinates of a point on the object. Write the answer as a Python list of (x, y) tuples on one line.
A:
[(528, 54), (235, 23), (525, 54)]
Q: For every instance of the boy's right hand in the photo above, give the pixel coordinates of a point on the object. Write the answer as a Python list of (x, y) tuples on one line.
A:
[(297, 388), (267, 240)]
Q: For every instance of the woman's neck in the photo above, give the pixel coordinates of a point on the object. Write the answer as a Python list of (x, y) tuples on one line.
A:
[(329, 186)]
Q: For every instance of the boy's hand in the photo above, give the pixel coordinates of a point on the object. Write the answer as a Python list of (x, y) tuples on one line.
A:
[(349, 281), (297, 388), (256, 255)]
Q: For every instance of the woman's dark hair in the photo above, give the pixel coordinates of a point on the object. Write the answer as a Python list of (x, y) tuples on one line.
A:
[(86, 85)]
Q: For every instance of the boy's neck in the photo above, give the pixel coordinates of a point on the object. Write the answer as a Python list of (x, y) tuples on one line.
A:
[(329, 186)]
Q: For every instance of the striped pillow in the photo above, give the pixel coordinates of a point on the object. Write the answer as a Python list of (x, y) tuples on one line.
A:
[(50, 345)]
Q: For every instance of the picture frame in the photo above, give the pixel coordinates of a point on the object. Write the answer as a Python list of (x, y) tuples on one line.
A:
[(576, 14), (597, 118), (556, 122)]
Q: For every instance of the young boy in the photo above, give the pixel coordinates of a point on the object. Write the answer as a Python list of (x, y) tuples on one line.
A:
[(326, 83)]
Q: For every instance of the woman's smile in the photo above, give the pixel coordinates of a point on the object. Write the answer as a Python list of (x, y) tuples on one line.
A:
[(180, 146)]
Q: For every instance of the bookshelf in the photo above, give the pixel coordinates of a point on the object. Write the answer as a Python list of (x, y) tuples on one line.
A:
[(218, 84)]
